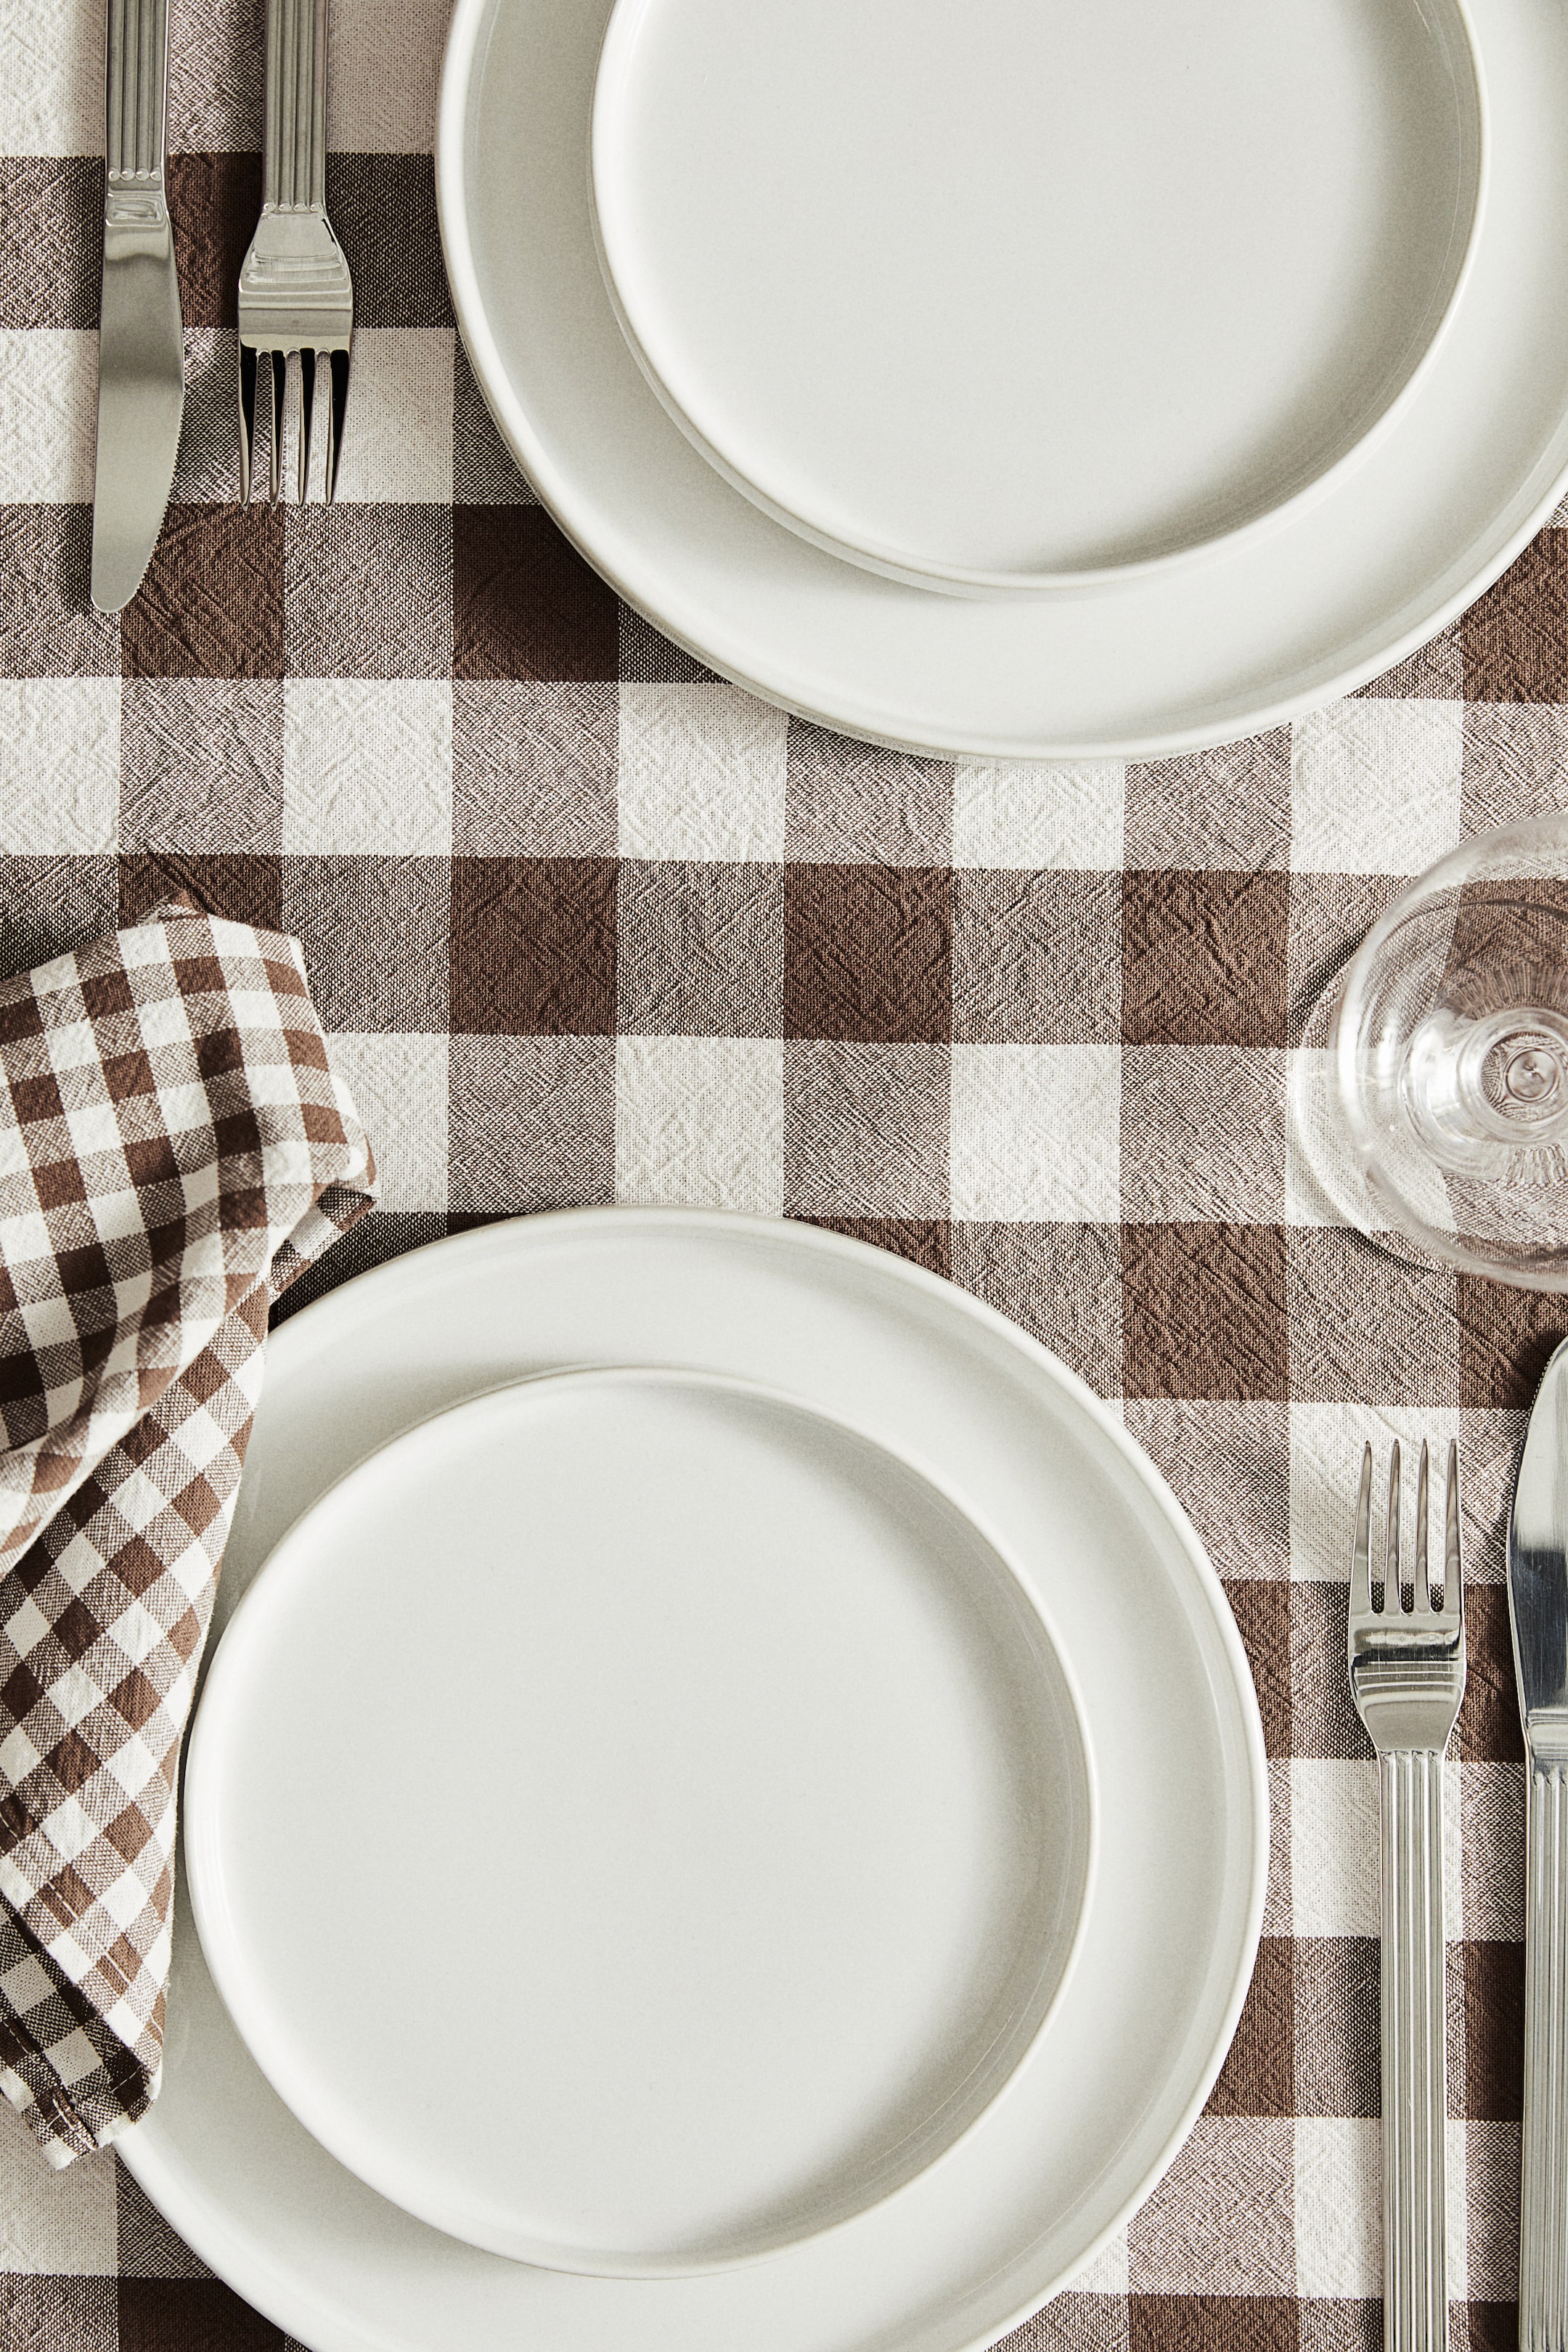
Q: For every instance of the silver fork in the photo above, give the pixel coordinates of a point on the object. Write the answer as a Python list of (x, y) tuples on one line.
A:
[(1407, 1677), (294, 289)]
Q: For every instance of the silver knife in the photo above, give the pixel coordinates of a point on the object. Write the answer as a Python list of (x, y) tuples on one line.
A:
[(1538, 1610), (140, 358)]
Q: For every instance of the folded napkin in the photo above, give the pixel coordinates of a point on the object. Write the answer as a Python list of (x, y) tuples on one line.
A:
[(174, 1148)]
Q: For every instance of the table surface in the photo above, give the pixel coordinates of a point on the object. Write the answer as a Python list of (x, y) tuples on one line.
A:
[(589, 925)]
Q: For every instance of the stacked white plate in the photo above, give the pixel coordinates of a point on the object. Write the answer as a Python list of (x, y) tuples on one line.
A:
[(731, 1809), (1023, 383)]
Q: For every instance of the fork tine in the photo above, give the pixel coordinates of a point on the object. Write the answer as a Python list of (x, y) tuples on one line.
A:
[(280, 381), (1393, 1590), (1453, 1566), (1423, 1582), (1361, 1572), (336, 413), (307, 410), (246, 419)]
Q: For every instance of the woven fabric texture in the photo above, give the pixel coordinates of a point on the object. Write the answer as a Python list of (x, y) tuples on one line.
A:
[(586, 924), (175, 1149)]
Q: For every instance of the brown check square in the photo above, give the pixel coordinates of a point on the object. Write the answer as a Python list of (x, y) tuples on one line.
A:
[(383, 210), (524, 604), (867, 953), (242, 887), (1336, 2059), (533, 946), (1204, 959), (1259, 2077), (1204, 1311), (215, 202), (1516, 635), (51, 905), (212, 602)]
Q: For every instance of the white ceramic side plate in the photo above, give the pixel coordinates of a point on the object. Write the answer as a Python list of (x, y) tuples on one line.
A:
[(1011, 298), (637, 1822)]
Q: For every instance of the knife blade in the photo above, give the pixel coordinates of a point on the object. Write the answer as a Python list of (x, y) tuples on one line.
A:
[(1538, 1614), (141, 355)]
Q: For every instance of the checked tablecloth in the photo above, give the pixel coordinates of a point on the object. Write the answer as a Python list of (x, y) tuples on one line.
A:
[(587, 925)]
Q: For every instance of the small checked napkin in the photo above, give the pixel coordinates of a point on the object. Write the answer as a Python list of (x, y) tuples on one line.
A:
[(174, 1148)]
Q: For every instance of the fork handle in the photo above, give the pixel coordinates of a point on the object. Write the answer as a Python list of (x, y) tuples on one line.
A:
[(1415, 2055), (295, 173), (1543, 2217)]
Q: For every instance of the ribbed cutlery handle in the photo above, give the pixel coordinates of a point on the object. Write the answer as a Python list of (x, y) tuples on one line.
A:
[(1415, 2055), (136, 85), (296, 157), (1543, 2217)]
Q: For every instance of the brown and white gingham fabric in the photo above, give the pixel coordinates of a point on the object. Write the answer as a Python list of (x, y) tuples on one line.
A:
[(174, 1148), (587, 924)]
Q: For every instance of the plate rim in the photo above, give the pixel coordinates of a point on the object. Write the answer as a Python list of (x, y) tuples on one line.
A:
[(217, 1945), (1453, 31), (1341, 676), (214, 2236)]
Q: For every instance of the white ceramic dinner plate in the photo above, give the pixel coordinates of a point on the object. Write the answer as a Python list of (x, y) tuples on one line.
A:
[(739, 1790), (1002, 298), (1052, 2167), (1195, 652)]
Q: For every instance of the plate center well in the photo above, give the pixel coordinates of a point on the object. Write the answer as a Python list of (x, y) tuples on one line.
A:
[(1007, 294), (637, 1822)]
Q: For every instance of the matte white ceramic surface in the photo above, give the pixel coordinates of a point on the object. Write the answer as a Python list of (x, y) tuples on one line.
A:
[(1393, 549), (738, 1786), (1097, 2111), (998, 297)]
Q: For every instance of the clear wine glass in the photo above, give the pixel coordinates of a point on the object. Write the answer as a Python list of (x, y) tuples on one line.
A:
[(1430, 1097)]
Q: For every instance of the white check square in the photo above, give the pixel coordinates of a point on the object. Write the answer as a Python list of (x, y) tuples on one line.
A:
[(1374, 786), (1036, 1132), (1326, 1446), (399, 1084), (52, 93), (397, 443), (1335, 1848), (60, 766), (48, 397), (700, 1122), (1339, 2201), (702, 772), (367, 767), (1061, 813)]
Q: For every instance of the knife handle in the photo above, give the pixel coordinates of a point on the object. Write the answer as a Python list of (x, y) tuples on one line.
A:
[(295, 165), (135, 88), (1543, 2215), (1415, 2055)]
